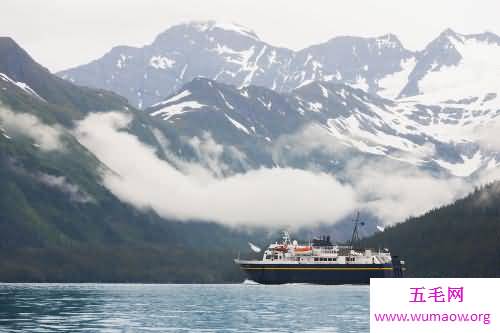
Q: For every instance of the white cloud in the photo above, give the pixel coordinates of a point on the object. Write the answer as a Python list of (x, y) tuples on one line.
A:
[(487, 135), (45, 136), (394, 192), (211, 154), (311, 138), (279, 196), (390, 190), (62, 184)]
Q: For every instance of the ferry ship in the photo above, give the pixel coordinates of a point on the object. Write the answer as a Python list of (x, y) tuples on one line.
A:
[(321, 262)]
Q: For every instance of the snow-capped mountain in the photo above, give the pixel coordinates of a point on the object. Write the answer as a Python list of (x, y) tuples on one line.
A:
[(360, 62), (456, 67), (251, 111), (19, 70), (433, 109), (435, 137), (329, 124), (235, 55)]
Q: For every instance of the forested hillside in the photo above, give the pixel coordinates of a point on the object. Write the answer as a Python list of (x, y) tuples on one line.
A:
[(58, 222), (458, 240)]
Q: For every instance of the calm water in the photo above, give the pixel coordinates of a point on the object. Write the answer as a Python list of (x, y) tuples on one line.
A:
[(182, 308)]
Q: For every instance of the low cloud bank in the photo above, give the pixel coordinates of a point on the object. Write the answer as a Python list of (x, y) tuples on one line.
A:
[(277, 196), (487, 135), (394, 192), (62, 184), (45, 136), (208, 190)]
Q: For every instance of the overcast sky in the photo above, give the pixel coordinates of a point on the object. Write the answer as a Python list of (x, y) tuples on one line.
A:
[(64, 33)]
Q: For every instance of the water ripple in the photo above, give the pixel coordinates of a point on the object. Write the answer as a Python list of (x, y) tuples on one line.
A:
[(121, 308)]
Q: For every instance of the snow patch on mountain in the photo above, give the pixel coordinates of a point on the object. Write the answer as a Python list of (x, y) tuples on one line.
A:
[(160, 62), (230, 27), (238, 125), (23, 86), (391, 84), (235, 55), (360, 83), (121, 62), (4, 134), (175, 98), (467, 166), (177, 109), (478, 71)]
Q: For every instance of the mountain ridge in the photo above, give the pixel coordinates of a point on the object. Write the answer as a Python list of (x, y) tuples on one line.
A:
[(457, 240), (363, 123), (254, 127), (238, 60), (58, 220)]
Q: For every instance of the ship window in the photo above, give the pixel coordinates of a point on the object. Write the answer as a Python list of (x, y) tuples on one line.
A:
[(316, 259), (268, 257), (334, 259), (275, 257)]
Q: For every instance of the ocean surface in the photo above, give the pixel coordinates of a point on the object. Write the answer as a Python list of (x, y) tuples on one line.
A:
[(183, 308)]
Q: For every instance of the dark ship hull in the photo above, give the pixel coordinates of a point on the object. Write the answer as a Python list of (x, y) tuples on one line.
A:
[(266, 273)]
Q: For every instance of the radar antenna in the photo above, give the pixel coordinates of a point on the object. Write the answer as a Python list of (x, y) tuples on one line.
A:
[(286, 237)]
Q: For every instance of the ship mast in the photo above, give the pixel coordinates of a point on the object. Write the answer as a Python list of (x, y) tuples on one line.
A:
[(355, 234), (286, 238)]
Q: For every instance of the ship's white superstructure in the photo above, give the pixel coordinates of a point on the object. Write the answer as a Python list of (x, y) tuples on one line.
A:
[(321, 251), (321, 262)]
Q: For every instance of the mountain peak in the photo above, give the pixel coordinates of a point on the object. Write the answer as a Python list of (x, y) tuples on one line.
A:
[(446, 40), (449, 33), (212, 25), (15, 61), (9, 46), (389, 40), (201, 83), (6, 41), (35, 79), (486, 36)]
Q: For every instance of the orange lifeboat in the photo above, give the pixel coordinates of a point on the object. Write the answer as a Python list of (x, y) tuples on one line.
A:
[(281, 248), (303, 249)]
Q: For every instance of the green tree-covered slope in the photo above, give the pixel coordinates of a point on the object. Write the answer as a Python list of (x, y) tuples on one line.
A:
[(59, 223), (458, 240)]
